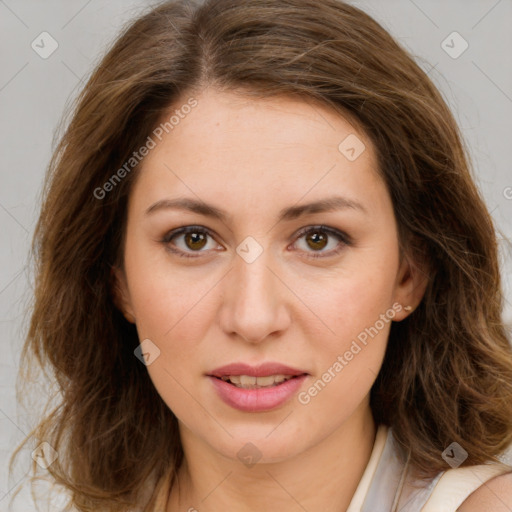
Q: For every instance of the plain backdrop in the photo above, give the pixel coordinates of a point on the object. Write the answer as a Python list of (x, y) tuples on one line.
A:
[(34, 91)]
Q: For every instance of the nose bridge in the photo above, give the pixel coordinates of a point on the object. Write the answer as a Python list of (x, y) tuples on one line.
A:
[(253, 278), (253, 303)]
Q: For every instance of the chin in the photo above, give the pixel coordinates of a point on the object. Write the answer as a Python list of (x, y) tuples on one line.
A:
[(261, 443)]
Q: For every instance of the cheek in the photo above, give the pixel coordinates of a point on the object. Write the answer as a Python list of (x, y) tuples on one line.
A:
[(175, 313), (357, 308), (347, 362), (349, 301), (168, 301)]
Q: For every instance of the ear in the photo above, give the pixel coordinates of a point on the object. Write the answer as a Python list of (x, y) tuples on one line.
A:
[(121, 294), (411, 283)]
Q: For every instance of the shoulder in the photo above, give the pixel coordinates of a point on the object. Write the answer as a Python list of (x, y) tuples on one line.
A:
[(493, 496)]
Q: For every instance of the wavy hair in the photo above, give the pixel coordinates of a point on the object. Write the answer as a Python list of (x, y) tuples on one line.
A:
[(447, 372)]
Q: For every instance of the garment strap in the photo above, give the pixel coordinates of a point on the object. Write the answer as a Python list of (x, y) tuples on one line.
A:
[(359, 497)]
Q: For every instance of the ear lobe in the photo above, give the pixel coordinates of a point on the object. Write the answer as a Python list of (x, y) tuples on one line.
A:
[(412, 280), (120, 293)]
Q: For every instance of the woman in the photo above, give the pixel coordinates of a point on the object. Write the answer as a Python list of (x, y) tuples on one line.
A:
[(266, 280)]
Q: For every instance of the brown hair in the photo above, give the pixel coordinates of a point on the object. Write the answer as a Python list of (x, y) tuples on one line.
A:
[(447, 373)]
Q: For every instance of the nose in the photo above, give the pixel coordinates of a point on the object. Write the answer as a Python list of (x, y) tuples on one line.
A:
[(254, 300)]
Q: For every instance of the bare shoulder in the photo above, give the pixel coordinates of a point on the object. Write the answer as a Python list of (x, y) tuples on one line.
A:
[(493, 496)]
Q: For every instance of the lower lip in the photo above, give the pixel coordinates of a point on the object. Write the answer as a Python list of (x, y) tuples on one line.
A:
[(257, 400)]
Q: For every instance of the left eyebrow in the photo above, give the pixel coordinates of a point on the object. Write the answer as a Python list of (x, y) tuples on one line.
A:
[(324, 205), (286, 214)]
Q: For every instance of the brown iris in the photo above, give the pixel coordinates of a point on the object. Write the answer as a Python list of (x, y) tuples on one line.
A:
[(318, 239), (195, 240)]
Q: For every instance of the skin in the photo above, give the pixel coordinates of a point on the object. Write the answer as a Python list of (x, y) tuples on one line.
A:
[(494, 496), (253, 158)]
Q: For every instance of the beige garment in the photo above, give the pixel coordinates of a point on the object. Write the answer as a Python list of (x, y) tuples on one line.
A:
[(450, 490), (395, 492)]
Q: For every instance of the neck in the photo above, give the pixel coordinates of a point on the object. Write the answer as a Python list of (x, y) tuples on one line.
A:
[(324, 477)]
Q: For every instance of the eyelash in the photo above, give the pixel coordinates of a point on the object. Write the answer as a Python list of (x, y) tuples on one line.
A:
[(343, 237)]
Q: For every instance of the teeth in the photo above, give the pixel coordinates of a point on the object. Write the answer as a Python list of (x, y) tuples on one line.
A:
[(235, 379), (264, 381), (249, 382), (246, 380)]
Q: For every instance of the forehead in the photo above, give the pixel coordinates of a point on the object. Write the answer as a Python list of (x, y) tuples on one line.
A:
[(241, 149), (242, 125)]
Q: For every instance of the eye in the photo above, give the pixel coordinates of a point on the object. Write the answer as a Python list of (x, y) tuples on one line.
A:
[(317, 238), (194, 239)]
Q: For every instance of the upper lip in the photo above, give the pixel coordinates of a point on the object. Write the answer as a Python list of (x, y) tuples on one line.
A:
[(262, 370)]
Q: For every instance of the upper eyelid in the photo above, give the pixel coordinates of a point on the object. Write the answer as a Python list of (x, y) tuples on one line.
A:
[(320, 227), (184, 230)]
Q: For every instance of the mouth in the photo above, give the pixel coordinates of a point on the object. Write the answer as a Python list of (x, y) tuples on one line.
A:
[(257, 388), (257, 382)]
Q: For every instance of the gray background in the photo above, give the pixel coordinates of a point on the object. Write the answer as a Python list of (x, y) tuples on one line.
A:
[(34, 93)]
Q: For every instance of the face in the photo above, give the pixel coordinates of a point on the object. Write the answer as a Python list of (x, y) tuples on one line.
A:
[(261, 278)]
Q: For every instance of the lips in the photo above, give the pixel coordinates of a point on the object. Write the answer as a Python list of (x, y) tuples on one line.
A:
[(246, 395), (262, 370)]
